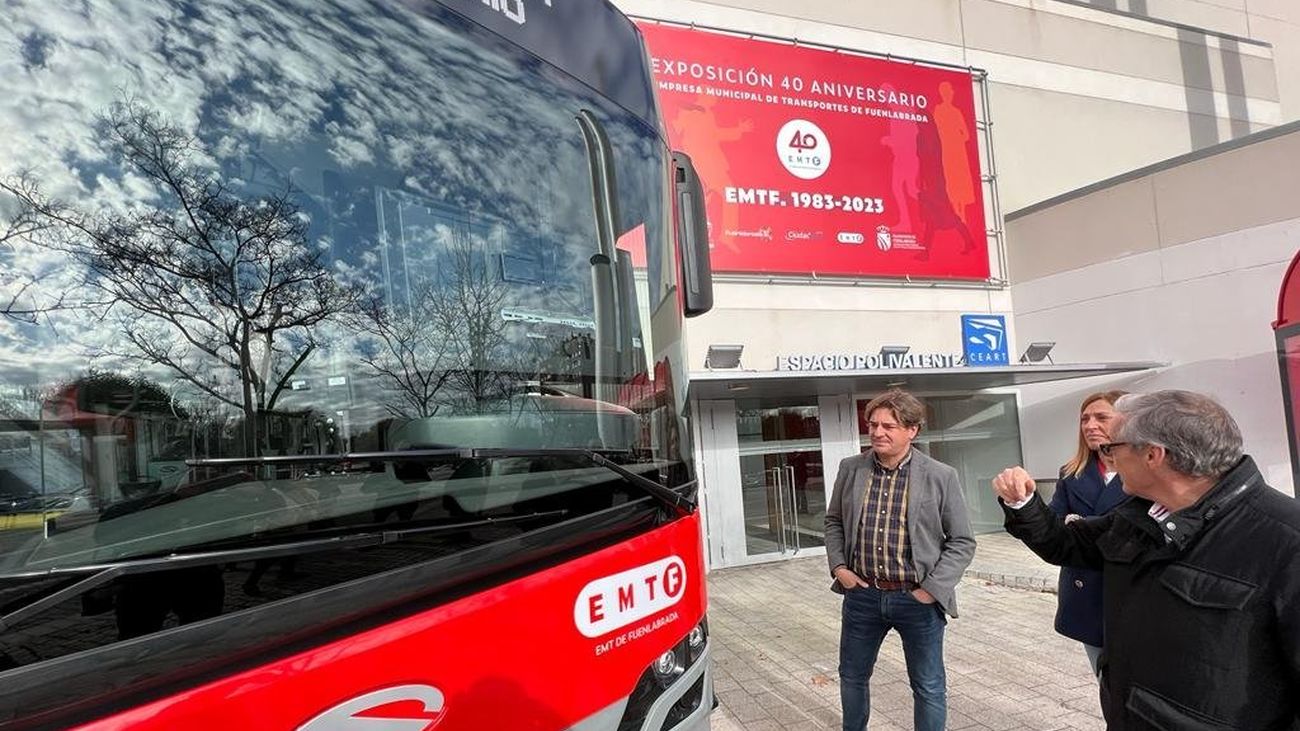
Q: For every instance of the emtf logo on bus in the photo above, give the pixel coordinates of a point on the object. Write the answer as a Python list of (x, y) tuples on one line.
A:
[(512, 9), (804, 149), (616, 601)]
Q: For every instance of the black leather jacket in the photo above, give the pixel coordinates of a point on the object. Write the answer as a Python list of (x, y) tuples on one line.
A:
[(1202, 610)]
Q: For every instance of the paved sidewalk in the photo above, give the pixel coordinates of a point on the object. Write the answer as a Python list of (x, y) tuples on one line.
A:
[(776, 634), (1003, 560)]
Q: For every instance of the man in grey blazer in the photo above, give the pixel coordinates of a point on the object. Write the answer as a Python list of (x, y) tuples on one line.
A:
[(898, 540)]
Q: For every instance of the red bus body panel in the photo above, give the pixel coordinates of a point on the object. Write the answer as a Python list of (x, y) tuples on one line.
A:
[(509, 657)]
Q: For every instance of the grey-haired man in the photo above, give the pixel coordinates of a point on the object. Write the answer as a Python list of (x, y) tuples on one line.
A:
[(1201, 571)]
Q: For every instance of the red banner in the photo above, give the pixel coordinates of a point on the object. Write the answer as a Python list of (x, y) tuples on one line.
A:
[(822, 162)]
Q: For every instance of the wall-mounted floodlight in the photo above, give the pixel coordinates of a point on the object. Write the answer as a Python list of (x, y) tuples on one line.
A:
[(1036, 352), (888, 350), (723, 356)]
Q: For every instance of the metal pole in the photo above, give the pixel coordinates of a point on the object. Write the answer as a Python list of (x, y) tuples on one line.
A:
[(998, 230)]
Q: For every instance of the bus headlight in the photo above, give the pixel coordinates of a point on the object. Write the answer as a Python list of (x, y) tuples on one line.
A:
[(667, 667), (695, 641)]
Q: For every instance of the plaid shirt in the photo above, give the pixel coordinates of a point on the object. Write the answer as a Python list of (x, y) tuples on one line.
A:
[(883, 549)]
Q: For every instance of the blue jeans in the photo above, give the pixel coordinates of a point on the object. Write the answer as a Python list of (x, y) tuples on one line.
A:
[(868, 615)]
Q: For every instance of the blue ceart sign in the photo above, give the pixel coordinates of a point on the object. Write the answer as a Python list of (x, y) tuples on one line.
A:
[(984, 340)]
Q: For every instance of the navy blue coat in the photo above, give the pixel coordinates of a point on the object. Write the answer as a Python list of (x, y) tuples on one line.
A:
[(1078, 608)]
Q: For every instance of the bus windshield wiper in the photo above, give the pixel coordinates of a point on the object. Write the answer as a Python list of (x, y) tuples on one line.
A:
[(106, 572), (675, 498)]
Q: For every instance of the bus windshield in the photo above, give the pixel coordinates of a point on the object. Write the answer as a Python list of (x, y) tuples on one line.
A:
[(281, 272)]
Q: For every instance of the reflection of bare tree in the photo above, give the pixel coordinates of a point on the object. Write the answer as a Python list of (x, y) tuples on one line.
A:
[(407, 353), (20, 290), (203, 272), (465, 307)]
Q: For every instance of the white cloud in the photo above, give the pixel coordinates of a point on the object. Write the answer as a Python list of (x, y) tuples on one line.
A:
[(309, 87)]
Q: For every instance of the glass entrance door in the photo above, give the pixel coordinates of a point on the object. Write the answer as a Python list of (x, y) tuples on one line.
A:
[(783, 489), (978, 435)]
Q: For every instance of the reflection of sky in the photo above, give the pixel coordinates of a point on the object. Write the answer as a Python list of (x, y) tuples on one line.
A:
[(335, 99), (417, 237)]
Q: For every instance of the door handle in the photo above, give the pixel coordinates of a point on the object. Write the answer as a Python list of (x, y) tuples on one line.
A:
[(774, 492), (781, 509), (794, 507)]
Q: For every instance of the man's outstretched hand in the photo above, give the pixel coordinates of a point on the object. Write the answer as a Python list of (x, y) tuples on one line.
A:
[(1013, 485)]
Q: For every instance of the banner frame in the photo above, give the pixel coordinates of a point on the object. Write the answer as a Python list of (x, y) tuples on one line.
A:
[(999, 276)]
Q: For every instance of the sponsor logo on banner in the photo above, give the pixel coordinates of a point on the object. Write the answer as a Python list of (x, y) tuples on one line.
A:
[(399, 708), (803, 235), (617, 601), (884, 240), (984, 340), (804, 149), (762, 233), (850, 237), (904, 241)]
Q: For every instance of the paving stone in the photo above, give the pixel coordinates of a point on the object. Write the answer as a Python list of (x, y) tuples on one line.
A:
[(775, 631)]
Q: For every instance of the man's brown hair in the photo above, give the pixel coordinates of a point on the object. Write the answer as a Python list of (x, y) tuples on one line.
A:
[(905, 407)]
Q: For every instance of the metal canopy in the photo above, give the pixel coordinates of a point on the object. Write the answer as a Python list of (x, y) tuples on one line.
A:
[(709, 385)]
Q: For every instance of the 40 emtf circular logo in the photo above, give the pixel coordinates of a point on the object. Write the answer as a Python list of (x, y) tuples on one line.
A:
[(804, 149)]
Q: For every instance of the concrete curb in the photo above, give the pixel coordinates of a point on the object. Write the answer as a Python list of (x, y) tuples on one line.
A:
[(1031, 583)]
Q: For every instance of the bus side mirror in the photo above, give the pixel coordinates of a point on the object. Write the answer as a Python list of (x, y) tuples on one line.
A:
[(692, 237)]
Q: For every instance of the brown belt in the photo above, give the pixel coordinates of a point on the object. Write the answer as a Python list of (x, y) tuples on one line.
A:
[(885, 585)]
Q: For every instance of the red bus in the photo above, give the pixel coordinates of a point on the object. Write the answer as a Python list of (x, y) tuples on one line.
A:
[(343, 382)]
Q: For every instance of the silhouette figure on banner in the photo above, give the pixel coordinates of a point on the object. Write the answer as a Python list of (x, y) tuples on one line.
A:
[(954, 144), (938, 212), (906, 169), (700, 135)]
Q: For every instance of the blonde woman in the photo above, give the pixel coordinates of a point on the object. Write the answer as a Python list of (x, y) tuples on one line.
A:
[(1088, 486)]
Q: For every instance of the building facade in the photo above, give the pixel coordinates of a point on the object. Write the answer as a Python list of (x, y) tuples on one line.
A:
[(1181, 263), (1067, 94)]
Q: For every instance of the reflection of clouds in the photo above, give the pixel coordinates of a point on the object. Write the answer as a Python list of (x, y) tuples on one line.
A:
[(83, 68), (378, 95), (35, 49), (124, 192), (261, 71)]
